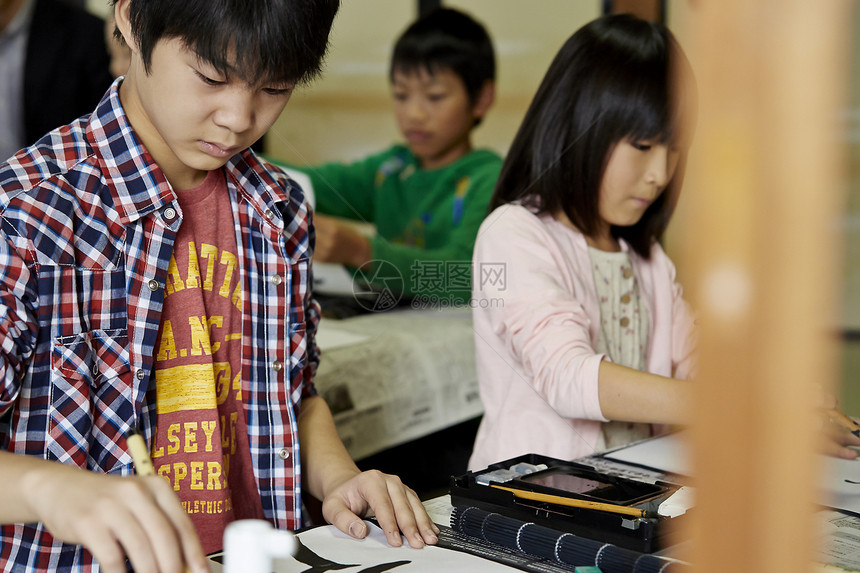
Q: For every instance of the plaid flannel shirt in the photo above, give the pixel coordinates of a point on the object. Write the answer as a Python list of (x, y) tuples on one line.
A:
[(88, 225)]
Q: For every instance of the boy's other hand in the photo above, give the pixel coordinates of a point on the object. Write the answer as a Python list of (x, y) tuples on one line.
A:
[(114, 517), (338, 242), (396, 507)]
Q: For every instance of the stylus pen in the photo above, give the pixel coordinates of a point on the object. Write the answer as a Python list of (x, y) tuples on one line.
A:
[(580, 503)]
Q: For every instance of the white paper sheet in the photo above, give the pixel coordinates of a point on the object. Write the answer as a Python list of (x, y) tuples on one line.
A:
[(666, 453), (840, 540), (840, 479), (841, 484), (333, 279), (330, 336), (414, 375), (440, 509), (329, 544)]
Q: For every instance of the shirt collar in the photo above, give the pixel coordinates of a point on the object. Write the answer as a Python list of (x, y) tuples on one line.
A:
[(140, 187)]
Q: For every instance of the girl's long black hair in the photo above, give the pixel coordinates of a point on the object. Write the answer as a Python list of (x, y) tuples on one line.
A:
[(617, 77)]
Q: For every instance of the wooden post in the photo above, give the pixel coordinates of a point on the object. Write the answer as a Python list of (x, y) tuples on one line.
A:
[(653, 10), (764, 196)]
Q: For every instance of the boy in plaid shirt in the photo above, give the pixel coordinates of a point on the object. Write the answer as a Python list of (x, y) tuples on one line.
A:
[(154, 274)]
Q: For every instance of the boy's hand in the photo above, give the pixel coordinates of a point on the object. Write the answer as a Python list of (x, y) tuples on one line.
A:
[(396, 507), (114, 517), (338, 242)]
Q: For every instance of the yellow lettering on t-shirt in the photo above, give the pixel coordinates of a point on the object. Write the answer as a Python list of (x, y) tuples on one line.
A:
[(164, 471), (174, 280), (172, 430), (213, 473), (167, 349), (180, 471), (210, 253), (236, 299), (237, 386), (208, 429), (199, 336), (193, 278), (197, 475), (157, 451), (228, 259), (190, 437), (183, 388), (217, 322), (222, 380), (225, 440)]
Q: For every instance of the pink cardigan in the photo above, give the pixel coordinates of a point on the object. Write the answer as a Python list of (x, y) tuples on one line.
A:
[(536, 321)]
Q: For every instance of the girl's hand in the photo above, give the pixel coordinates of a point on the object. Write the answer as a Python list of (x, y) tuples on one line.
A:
[(840, 430), (396, 507), (838, 437)]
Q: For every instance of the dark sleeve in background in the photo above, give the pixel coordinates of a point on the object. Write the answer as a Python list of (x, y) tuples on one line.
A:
[(67, 67)]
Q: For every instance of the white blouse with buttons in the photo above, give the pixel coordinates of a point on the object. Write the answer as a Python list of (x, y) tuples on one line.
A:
[(624, 329)]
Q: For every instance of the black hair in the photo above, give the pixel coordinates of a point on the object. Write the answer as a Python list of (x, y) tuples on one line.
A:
[(617, 77), (447, 39), (263, 41)]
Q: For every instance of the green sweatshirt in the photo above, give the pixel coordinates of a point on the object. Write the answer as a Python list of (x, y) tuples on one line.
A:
[(426, 220)]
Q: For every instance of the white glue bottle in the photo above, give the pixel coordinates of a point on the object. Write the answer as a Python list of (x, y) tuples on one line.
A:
[(250, 545)]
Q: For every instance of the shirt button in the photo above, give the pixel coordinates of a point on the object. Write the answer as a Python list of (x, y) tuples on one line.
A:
[(284, 453), (269, 214), (170, 213), (153, 285), (624, 321), (627, 272), (276, 280), (139, 374), (276, 365), (625, 299)]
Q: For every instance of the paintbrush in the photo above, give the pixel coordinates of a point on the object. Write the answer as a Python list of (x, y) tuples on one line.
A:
[(580, 503)]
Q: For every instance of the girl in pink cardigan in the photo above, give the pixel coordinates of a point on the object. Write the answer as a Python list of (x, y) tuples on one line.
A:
[(583, 338)]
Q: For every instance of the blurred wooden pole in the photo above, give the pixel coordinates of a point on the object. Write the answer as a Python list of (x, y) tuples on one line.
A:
[(765, 195), (646, 9)]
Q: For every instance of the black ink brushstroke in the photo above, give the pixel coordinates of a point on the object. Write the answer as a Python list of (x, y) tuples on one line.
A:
[(384, 567), (317, 564), (321, 564)]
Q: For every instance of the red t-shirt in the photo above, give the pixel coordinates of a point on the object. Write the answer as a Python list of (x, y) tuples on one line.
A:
[(201, 442)]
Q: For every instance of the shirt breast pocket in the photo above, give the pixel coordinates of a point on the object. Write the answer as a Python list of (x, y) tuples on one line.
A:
[(298, 356), (92, 399)]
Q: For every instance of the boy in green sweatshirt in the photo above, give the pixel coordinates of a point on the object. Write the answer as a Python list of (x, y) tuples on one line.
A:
[(428, 197)]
